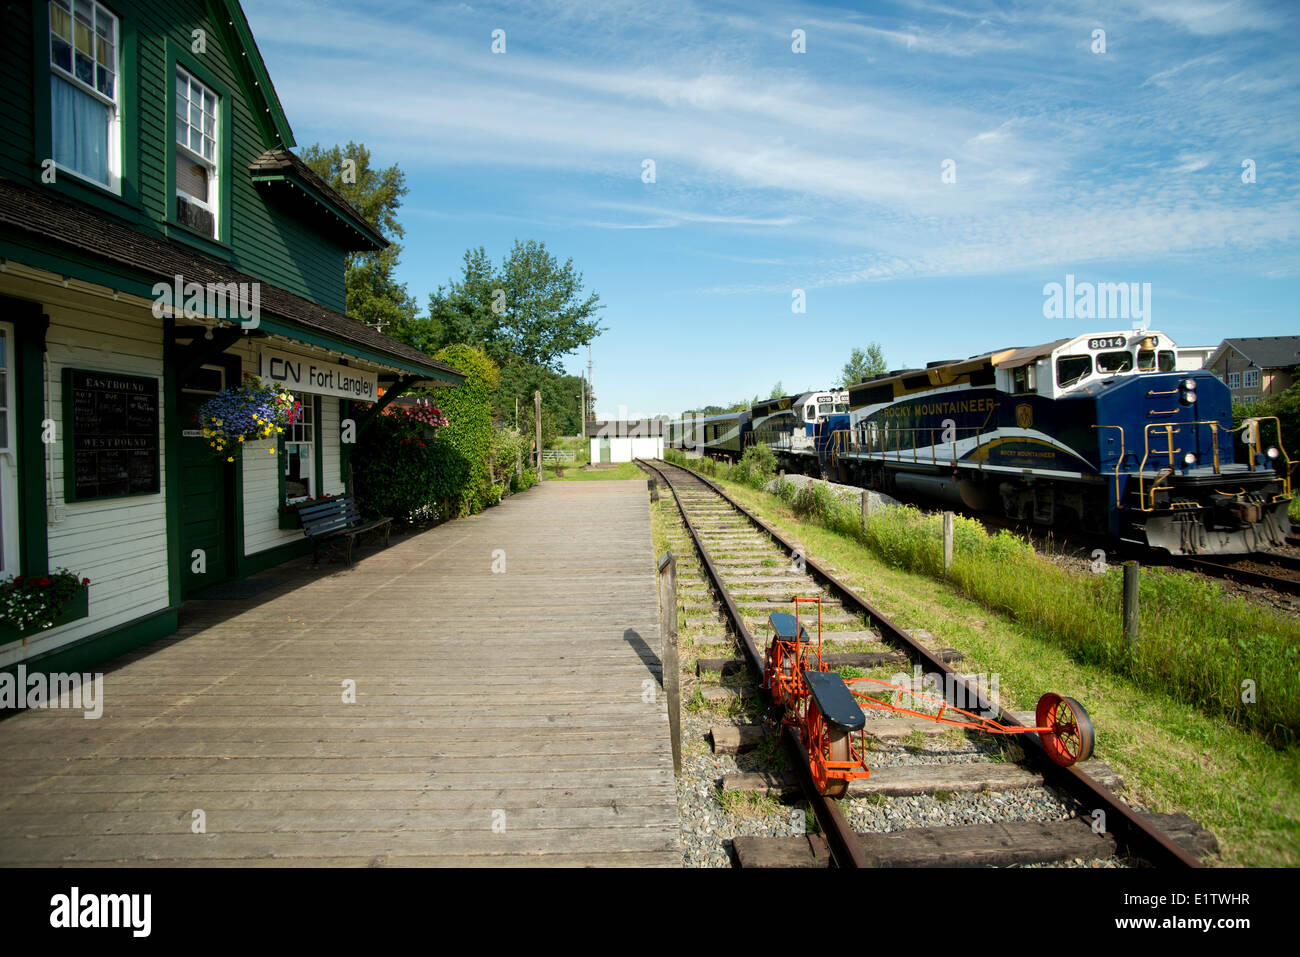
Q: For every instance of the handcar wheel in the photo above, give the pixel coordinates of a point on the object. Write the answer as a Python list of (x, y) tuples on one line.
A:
[(1070, 736), (836, 749)]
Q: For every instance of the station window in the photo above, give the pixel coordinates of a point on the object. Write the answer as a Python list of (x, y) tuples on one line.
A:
[(196, 154), (85, 105), (1250, 379), (1234, 380), (1115, 361), (300, 453), (1070, 369)]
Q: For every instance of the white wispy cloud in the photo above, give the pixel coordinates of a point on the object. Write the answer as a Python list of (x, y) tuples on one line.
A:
[(1061, 156)]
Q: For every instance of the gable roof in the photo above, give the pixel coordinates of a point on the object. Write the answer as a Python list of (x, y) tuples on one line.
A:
[(42, 215), (1267, 352), (236, 20), (281, 165)]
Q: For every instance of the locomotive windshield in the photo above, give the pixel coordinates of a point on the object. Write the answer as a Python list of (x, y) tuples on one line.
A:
[(1070, 369), (1115, 362), (1148, 360)]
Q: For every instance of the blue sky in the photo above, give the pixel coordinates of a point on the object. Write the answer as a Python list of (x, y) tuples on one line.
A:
[(824, 170)]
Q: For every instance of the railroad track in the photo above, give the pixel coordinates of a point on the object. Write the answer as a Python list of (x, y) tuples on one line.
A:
[(1275, 571), (1278, 572), (749, 569)]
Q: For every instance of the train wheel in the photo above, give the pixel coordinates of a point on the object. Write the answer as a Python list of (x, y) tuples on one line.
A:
[(1071, 736)]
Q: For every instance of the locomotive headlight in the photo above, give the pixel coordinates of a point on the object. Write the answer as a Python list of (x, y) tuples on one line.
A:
[(1272, 452), (1187, 391), (1189, 459), (1189, 385)]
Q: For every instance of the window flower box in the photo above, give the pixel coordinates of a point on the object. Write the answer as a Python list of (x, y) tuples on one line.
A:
[(35, 604)]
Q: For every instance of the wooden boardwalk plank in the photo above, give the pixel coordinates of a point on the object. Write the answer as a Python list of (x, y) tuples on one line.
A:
[(520, 699)]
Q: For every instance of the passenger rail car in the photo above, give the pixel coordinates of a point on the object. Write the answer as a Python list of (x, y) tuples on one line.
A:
[(1098, 431), (722, 436)]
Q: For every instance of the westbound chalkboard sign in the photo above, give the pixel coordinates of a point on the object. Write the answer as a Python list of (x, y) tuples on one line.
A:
[(111, 427)]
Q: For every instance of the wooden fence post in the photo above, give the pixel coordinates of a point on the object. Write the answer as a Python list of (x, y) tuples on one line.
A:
[(537, 420), (947, 543), (668, 656), (1131, 604)]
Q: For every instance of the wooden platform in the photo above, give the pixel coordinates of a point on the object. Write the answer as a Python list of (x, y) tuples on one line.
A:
[(500, 718)]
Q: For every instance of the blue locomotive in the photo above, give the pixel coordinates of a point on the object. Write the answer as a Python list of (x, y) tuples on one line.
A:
[(1099, 431)]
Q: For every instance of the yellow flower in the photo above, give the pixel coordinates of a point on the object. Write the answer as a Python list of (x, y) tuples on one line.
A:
[(272, 451), (278, 429), (241, 438), (230, 458)]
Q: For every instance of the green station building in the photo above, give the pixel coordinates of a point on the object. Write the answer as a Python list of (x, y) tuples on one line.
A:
[(158, 241)]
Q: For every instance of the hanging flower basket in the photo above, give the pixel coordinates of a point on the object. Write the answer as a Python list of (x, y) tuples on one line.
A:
[(250, 413), (417, 422), (32, 604)]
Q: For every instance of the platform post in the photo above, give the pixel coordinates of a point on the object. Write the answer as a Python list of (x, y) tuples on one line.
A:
[(947, 543), (1131, 604), (668, 657)]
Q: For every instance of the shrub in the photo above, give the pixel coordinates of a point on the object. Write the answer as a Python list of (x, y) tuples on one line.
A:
[(468, 436), (411, 479)]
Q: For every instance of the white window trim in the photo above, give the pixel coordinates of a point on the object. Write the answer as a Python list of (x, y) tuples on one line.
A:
[(114, 184), (213, 203), (9, 463), (313, 482), (1234, 380)]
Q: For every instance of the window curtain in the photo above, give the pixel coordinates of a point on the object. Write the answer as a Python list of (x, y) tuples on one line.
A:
[(80, 130)]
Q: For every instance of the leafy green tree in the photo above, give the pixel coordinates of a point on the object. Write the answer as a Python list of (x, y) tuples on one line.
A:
[(862, 365), (532, 308), (777, 391), (373, 293)]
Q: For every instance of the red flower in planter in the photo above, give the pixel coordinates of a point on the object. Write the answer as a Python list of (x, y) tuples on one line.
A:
[(44, 583), (85, 581)]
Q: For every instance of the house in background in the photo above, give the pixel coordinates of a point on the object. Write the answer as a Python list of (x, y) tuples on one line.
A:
[(143, 148), (622, 440), (1191, 358), (1257, 367)]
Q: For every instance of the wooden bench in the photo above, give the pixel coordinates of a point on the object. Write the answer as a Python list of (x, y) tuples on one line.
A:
[(338, 520)]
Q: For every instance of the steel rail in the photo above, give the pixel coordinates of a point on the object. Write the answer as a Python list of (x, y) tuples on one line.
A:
[(845, 848), (1130, 830), (1244, 576)]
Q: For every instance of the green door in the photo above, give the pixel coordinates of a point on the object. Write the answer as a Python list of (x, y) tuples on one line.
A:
[(204, 509)]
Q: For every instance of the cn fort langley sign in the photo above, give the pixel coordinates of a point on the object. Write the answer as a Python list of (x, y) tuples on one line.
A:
[(313, 375)]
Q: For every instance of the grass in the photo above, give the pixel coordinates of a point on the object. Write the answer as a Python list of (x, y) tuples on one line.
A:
[(1174, 754), (747, 803), (1195, 640)]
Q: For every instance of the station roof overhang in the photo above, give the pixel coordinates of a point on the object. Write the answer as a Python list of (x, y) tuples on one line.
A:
[(104, 251)]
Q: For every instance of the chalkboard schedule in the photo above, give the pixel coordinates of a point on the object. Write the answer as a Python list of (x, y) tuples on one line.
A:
[(111, 423)]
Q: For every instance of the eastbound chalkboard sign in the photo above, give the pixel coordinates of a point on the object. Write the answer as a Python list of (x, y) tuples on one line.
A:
[(111, 427)]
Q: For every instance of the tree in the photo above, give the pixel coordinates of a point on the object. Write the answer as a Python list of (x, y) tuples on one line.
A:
[(373, 295), (862, 365), (777, 391), (531, 309)]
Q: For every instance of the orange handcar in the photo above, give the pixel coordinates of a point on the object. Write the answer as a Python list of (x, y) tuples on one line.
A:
[(825, 710)]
